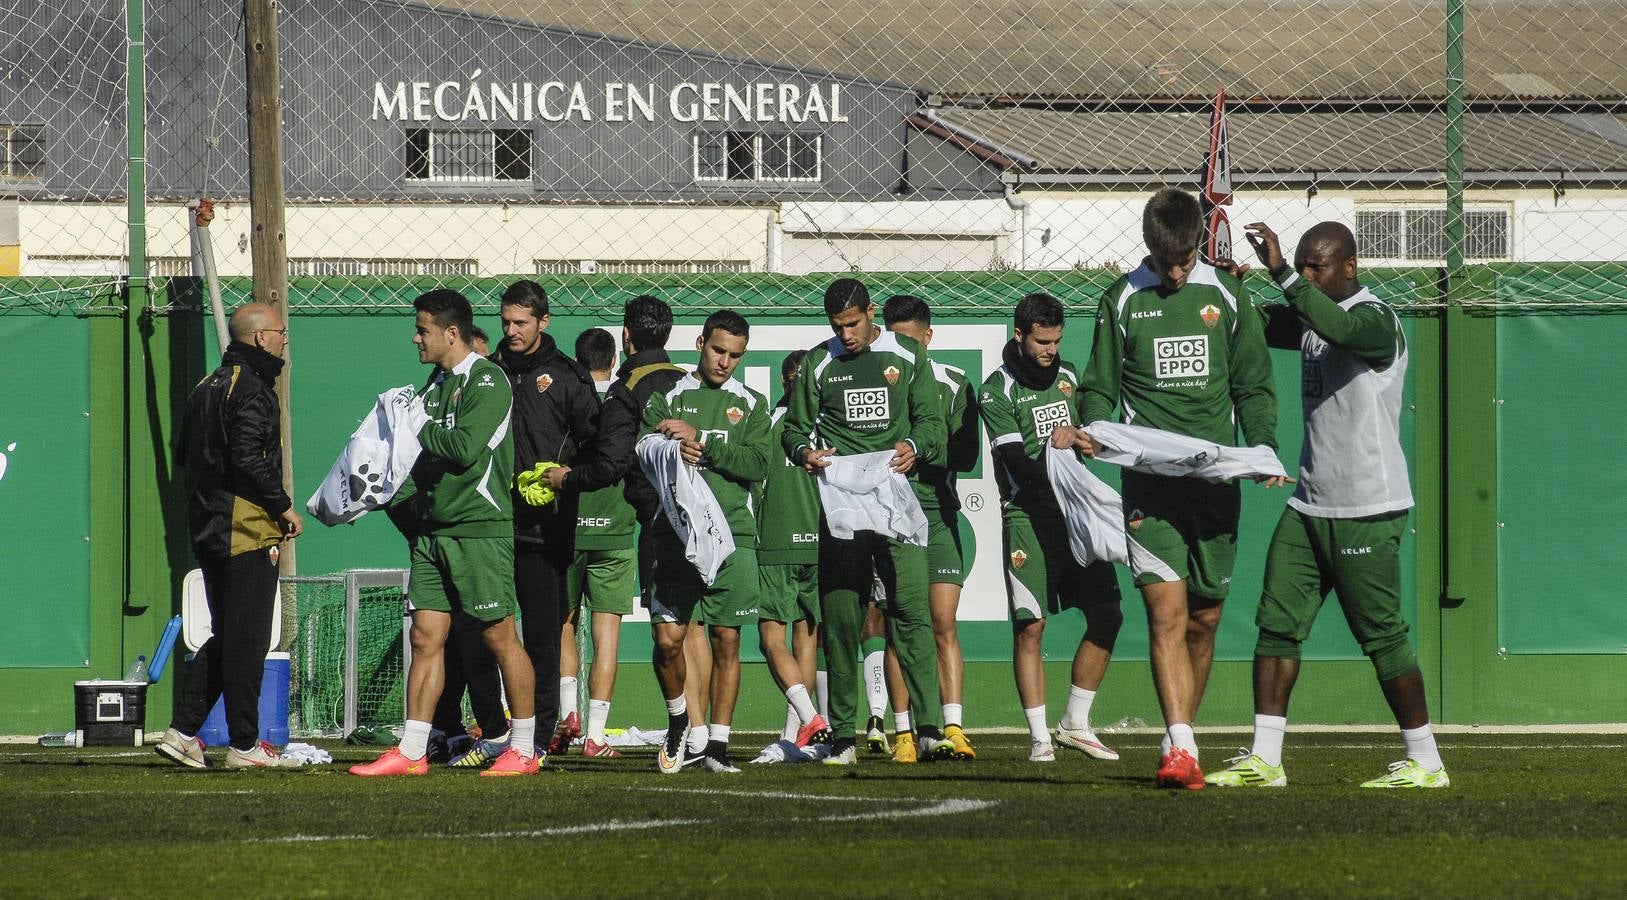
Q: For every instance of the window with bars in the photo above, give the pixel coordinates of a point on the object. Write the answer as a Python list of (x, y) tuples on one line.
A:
[(496, 154), (638, 266), (723, 156), (84, 264), (318, 267), (22, 151), (1420, 234)]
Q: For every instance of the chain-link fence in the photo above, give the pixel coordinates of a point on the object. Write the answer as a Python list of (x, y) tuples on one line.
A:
[(685, 142)]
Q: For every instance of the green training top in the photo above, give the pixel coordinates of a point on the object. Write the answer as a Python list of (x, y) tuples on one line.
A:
[(1192, 361), (1014, 414), (787, 508), (866, 402), (936, 487), (604, 518), (460, 484), (732, 421)]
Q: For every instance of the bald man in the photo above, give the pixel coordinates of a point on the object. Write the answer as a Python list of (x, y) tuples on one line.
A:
[(1341, 530), (238, 515)]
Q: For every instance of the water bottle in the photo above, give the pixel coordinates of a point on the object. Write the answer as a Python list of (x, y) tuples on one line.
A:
[(60, 739), (137, 670)]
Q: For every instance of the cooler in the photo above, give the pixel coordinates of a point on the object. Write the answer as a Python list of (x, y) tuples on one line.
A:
[(109, 713)]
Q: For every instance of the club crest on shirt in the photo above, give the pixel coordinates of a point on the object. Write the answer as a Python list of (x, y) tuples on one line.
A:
[(1210, 314), (544, 382), (891, 374), (735, 415), (1018, 557), (1134, 519), (1065, 388), (274, 554)]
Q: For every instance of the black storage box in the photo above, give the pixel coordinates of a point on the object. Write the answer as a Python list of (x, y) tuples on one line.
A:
[(109, 713)]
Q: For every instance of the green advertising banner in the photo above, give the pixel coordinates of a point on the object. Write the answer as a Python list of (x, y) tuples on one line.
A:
[(45, 493)]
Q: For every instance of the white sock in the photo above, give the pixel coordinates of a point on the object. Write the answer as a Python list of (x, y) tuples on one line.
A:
[(875, 681), (822, 688), (1421, 747), (1181, 736), (697, 738), (1163, 744), (952, 713), (523, 735), (567, 696), (793, 724), (718, 733), (1037, 730), (797, 696), (901, 722), (676, 706), (1077, 713), (415, 740), (598, 715), (1268, 732)]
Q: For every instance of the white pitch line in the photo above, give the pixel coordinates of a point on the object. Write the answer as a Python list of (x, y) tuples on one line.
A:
[(562, 830), (776, 795), (949, 807)]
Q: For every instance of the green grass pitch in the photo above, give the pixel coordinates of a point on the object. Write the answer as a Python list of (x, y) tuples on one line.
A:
[(1526, 815)]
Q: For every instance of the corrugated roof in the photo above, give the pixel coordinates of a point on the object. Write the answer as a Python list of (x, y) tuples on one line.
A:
[(1346, 49), (1300, 143)]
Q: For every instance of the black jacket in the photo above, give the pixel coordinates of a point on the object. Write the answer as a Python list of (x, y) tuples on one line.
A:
[(556, 413), (641, 375), (231, 446)]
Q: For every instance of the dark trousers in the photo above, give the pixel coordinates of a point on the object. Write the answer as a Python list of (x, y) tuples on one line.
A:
[(539, 585), (470, 663), (242, 595)]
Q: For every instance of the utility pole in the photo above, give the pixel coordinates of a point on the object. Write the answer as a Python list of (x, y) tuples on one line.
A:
[(268, 249)]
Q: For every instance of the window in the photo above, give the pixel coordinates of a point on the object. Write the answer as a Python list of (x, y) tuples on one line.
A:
[(22, 151), (758, 156), (638, 266), (1420, 234), (499, 154), (344, 266), (83, 264)]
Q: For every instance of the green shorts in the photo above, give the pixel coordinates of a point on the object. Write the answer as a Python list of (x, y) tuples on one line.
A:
[(788, 593), (681, 597), (945, 561), (604, 581), (474, 574), (1182, 529), (1043, 578), (1357, 559)]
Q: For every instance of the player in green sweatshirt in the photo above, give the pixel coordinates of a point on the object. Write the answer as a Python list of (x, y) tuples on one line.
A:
[(788, 569), (723, 426), (463, 536), (869, 391), (1178, 347), (946, 563)]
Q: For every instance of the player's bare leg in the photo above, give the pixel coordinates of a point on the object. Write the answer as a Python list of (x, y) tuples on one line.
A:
[(1203, 621), (606, 639), (944, 602), (697, 684), (669, 657), (725, 690), (1168, 621), (1090, 661)]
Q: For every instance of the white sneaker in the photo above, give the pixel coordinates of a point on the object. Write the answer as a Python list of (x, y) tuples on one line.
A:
[(848, 756), (719, 766), (261, 756), (1041, 752), (1085, 741), (183, 751)]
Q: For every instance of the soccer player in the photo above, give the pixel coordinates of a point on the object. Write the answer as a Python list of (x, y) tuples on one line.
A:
[(788, 574), (556, 416), (463, 549), (1341, 529), (1179, 348), (868, 391), (723, 427), (946, 566), (604, 570), (1031, 397)]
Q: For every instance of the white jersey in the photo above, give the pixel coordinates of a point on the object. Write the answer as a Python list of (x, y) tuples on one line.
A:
[(1167, 453), (861, 492), (375, 462), (1351, 464), (688, 503), (1093, 511)]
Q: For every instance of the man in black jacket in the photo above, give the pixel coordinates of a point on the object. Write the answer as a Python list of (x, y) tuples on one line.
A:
[(555, 419), (239, 515)]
